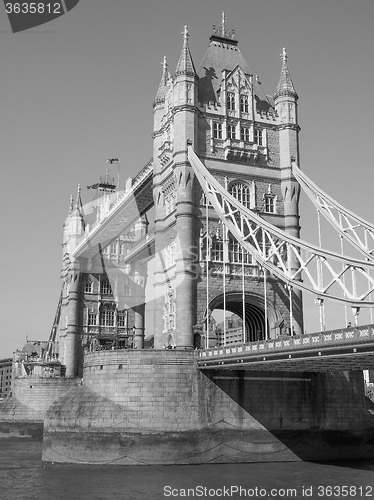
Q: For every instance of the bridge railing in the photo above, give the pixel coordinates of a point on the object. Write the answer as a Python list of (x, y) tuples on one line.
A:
[(343, 336), (139, 244), (142, 176)]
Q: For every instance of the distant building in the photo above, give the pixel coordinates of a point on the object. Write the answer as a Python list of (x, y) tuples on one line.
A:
[(37, 358), (233, 333), (5, 377)]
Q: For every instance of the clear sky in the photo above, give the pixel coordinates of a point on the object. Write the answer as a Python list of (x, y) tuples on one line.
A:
[(80, 89)]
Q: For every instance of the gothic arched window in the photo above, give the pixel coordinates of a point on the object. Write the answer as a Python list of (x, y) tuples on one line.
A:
[(242, 192), (244, 103), (231, 131), (244, 134), (122, 318), (230, 101), (270, 204), (91, 316), (259, 137), (217, 130), (113, 248), (88, 286), (237, 254), (217, 251), (107, 315), (105, 287)]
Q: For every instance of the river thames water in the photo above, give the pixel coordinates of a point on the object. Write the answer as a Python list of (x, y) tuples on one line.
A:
[(23, 476)]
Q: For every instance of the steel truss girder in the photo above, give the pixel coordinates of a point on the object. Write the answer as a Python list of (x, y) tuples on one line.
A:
[(323, 273), (348, 224)]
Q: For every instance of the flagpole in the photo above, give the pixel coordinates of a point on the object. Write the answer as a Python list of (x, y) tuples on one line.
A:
[(111, 161), (118, 173)]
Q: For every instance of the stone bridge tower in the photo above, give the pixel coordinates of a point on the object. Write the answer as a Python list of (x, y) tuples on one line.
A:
[(247, 139)]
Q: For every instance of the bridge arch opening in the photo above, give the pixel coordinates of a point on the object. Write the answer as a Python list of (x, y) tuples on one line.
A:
[(254, 313)]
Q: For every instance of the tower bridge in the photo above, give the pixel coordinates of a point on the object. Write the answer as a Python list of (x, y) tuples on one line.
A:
[(211, 224), (223, 189)]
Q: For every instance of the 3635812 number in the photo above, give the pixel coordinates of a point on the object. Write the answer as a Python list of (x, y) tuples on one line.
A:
[(33, 8), (349, 492)]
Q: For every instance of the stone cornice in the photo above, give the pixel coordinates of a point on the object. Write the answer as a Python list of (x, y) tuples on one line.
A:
[(285, 93), (177, 109), (291, 126), (186, 107), (181, 163)]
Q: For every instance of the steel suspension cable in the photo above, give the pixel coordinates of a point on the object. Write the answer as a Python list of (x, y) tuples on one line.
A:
[(225, 254), (207, 269), (321, 302), (265, 297), (266, 307), (225, 258), (291, 311), (243, 289), (342, 252), (368, 271)]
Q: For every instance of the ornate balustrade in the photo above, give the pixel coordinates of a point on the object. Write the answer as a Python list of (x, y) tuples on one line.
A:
[(341, 337)]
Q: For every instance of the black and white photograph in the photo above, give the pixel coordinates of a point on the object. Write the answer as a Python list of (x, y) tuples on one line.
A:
[(187, 279)]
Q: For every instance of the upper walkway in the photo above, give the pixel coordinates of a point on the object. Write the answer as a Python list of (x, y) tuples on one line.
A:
[(126, 209), (344, 349)]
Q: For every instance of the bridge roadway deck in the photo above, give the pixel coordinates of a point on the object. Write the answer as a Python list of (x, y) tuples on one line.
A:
[(335, 350)]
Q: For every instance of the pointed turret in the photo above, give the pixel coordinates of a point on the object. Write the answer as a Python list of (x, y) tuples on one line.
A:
[(71, 275), (185, 77), (185, 64), (78, 203), (78, 224), (159, 103), (74, 224), (66, 226), (285, 100), (184, 94), (285, 97), (71, 205), (285, 85), (161, 92)]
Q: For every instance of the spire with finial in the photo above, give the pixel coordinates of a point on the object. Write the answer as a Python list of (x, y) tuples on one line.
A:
[(161, 92), (223, 24), (222, 32), (285, 85), (74, 224), (78, 203), (78, 222), (185, 34), (71, 204), (185, 64)]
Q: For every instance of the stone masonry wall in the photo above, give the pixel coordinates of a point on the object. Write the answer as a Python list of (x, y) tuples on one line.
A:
[(23, 413), (143, 407), (32, 396)]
